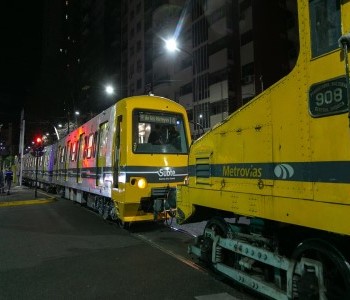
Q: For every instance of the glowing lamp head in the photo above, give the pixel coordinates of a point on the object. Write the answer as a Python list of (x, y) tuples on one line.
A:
[(142, 183)]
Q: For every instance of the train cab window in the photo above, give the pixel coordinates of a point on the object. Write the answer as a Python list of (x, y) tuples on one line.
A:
[(157, 132), (325, 26)]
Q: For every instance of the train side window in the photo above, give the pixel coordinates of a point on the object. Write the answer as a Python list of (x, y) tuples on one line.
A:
[(90, 146), (103, 139), (73, 151), (325, 26), (62, 154)]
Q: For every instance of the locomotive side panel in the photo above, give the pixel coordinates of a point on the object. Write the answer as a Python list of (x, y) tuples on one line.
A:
[(273, 157)]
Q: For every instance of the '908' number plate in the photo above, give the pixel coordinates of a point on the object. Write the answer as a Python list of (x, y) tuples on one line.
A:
[(328, 98)]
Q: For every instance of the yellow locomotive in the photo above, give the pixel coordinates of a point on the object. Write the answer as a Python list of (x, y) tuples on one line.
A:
[(274, 177), (125, 162)]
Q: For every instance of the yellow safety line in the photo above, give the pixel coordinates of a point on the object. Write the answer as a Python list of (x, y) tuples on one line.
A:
[(26, 202)]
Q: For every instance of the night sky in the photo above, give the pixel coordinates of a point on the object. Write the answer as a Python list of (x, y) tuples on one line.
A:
[(20, 54)]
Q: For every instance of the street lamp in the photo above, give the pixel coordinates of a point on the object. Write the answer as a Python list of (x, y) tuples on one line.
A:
[(171, 45), (109, 90)]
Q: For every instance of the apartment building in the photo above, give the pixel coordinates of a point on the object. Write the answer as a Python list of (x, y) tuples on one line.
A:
[(228, 51)]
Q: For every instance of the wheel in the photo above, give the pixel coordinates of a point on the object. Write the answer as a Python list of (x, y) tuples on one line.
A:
[(336, 272), (218, 225), (221, 228)]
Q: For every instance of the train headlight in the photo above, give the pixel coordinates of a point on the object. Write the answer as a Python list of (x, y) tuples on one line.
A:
[(186, 180), (142, 183)]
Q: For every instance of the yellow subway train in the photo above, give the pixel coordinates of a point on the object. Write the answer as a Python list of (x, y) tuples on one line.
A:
[(125, 162), (273, 178)]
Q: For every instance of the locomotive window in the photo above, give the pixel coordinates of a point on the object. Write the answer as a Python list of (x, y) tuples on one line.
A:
[(157, 132), (325, 25)]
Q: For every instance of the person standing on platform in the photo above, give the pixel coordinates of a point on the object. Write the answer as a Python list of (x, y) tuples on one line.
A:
[(8, 179)]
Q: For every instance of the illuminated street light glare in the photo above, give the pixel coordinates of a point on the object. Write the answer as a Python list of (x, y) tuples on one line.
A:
[(171, 45), (109, 90), (77, 113)]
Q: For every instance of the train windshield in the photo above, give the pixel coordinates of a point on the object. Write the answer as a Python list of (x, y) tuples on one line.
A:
[(158, 132)]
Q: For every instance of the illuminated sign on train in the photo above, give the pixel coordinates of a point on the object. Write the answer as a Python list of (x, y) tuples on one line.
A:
[(157, 118)]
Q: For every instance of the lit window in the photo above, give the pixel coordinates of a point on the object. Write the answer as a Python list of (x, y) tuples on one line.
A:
[(74, 150), (90, 146)]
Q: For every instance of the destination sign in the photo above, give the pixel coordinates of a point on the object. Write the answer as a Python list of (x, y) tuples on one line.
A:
[(158, 118), (328, 98)]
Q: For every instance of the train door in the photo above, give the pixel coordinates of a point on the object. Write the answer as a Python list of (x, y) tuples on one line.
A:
[(117, 152), (101, 153), (81, 146)]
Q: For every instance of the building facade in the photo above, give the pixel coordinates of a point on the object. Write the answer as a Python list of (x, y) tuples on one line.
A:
[(228, 51)]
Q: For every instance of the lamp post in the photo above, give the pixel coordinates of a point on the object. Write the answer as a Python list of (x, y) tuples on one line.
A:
[(171, 46)]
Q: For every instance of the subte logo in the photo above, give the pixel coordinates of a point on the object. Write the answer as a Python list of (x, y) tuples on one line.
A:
[(284, 171), (166, 172)]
